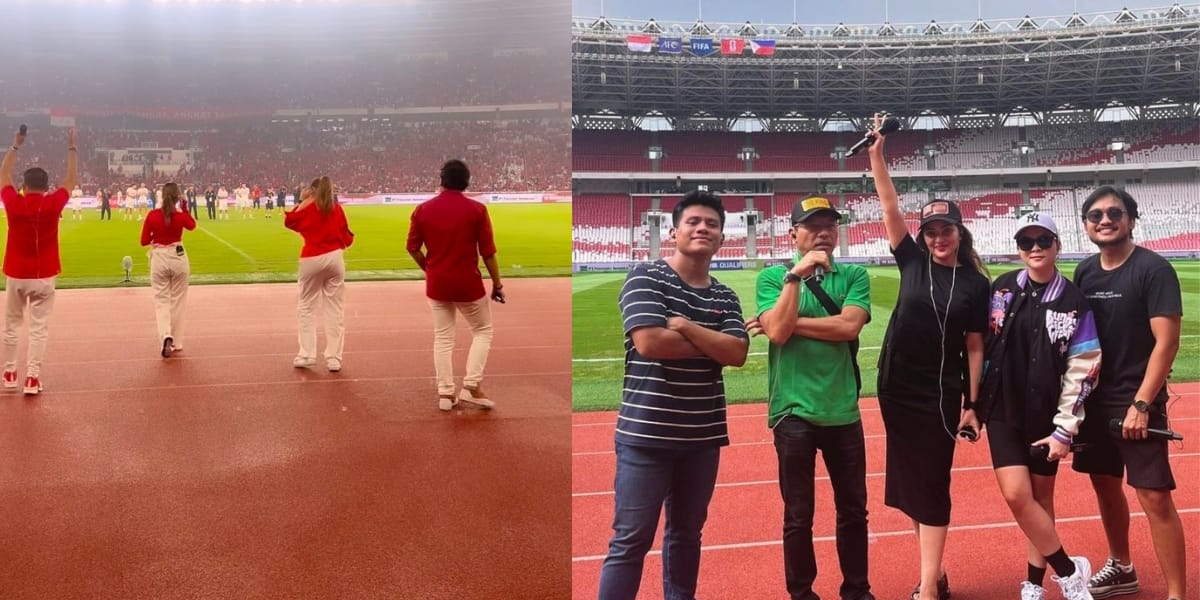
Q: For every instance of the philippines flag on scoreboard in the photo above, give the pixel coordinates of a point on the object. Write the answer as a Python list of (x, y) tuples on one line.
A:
[(639, 42), (733, 46), (670, 45), (763, 47)]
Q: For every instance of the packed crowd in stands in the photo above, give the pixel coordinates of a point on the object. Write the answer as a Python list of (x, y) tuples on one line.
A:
[(1052, 145), (514, 156), (612, 227)]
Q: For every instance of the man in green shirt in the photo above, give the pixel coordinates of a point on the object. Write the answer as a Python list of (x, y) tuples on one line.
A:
[(813, 391)]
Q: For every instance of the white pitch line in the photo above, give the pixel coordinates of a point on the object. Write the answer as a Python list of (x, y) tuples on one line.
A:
[(737, 484), (880, 534), (227, 244)]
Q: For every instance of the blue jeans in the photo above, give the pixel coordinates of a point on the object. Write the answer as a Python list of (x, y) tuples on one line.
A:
[(844, 452), (647, 479)]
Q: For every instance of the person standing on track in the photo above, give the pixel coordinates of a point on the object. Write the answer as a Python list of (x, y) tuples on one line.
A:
[(935, 337), (1136, 296), (31, 260), (169, 266), (813, 321), (1042, 361), (456, 232), (682, 327), (326, 234)]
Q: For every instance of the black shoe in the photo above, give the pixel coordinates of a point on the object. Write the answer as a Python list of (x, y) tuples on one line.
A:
[(166, 349), (943, 589)]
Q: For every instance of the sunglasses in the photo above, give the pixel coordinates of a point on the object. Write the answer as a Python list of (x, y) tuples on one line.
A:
[(1114, 214), (1043, 241)]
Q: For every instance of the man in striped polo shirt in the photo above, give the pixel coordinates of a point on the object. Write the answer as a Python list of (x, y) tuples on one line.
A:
[(681, 328)]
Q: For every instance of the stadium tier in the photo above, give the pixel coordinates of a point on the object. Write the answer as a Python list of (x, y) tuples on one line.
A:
[(1168, 141), (613, 227)]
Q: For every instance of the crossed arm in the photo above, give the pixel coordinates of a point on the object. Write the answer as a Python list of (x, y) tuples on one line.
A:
[(682, 338)]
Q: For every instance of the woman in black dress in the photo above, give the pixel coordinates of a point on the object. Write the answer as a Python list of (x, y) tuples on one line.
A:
[(930, 365)]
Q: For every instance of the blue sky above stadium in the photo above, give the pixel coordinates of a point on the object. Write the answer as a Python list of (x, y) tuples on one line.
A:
[(847, 11)]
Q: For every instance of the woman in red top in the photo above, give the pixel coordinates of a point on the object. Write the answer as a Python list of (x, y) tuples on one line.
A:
[(169, 268), (322, 270)]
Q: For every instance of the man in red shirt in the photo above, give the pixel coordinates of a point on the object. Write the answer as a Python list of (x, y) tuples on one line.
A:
[(31, 261), (456, 231)]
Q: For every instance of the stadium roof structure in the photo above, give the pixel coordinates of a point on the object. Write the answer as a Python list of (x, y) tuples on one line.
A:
[(795, 77)]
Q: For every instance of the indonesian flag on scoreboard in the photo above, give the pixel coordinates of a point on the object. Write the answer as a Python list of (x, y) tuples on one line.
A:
[(733, 46), (639, 42), (61, 118)]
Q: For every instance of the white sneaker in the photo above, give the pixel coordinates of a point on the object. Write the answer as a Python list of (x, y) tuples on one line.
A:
[(334, 365), (1032, 591), (301, 362), (1075, 587), (464, 395), (445, 403)]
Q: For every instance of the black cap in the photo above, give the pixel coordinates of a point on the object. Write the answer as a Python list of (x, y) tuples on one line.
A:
[(808, 207), (940, 210)]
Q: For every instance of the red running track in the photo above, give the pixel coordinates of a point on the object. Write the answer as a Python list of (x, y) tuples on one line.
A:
[(225, 473), (985, 554)]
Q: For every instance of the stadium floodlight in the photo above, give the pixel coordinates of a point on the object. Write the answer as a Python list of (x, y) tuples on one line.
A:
[(747, 153), (1117, 144), (655, 152)]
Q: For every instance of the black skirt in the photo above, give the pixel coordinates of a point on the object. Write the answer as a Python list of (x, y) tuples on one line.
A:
[(920, 454)]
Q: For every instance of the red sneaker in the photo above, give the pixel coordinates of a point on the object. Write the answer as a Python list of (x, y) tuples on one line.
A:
[(10, 379), (32, 386)]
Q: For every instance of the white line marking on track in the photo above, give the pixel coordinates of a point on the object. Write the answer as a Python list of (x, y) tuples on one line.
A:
[(878, 535), (736, 484)]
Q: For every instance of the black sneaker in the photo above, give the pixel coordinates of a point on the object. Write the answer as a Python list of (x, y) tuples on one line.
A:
[(166, 348), (943, 589), (1112, 580)]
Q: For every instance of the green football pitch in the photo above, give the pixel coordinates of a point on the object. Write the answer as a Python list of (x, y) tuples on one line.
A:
[(533, 240), (598, 351)]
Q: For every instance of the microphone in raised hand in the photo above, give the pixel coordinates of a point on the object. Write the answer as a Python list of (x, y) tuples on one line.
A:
[(889, 125)]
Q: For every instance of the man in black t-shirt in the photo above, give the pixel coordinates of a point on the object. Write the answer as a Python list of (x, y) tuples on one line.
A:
[(1136, 299), (682, 327)]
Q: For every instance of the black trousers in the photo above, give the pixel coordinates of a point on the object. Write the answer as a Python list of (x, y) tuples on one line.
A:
[(844, 452)]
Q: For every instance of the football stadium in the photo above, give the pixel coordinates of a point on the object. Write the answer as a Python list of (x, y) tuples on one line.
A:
[(1003, 116), (231, 466)]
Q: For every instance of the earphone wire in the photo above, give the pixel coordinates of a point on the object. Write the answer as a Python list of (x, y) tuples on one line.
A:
[(942, 327)]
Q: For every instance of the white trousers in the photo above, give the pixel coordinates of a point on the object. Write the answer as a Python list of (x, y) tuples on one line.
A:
[(478, 315), (322, 282), (169, 279), (38, 295)]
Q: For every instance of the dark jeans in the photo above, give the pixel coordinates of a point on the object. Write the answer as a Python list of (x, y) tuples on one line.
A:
[(212, 210), (844, 452), (105, 210), (648, 478)]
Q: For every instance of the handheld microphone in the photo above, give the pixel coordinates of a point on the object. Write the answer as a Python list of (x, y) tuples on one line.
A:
[(1116, 427), (24, 129), (1043, 452), (819, 273), (889, 125)]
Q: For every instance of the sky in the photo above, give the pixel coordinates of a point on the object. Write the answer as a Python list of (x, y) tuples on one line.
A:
[(851, 11)]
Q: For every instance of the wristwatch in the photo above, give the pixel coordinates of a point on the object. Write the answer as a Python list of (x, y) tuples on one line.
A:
[(1141, 406), (791, 277)]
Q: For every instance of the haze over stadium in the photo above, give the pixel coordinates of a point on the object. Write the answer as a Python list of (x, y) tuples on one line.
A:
[(273, 458)]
